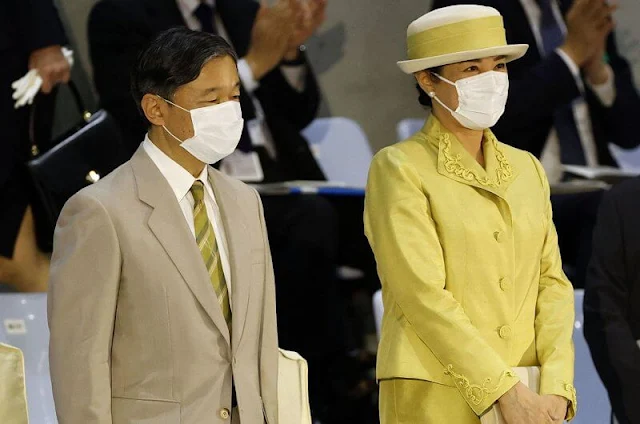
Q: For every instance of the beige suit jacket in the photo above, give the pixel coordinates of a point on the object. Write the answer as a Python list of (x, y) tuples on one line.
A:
[(137, 334)]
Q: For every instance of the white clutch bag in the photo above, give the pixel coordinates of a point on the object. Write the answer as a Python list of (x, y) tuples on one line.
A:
[(13, 394), (293, 389), (530, 377)]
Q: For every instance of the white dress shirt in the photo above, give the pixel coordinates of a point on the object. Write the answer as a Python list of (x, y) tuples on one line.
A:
[(181, 182), (606, 93)]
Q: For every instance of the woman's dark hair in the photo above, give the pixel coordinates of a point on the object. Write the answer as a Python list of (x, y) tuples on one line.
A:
[(423, 97), (174, 58)]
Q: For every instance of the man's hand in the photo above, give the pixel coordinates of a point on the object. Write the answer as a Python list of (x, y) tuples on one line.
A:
[(589, 24), (51, 65), (270, 37), (311, 15), (596, 69), (522, 406)]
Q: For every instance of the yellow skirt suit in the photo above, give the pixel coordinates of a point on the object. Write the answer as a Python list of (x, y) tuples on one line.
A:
[(471, 277)]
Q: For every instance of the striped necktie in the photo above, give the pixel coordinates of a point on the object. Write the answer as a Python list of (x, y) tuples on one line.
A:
[(206, 239)]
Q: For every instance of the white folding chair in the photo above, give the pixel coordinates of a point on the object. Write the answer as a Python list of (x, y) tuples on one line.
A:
[(341, 148), (593, 401), (629, 160), (378, 311), (408, 127), (23, 324)]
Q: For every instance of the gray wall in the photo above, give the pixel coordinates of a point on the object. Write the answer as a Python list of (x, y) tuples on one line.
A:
[(354, 55)]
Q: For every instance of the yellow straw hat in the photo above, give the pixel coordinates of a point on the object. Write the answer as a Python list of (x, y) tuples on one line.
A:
[(455, 34)]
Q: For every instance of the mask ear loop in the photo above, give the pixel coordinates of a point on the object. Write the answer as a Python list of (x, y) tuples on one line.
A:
[(432, 94), (179, 107), (171, 103)]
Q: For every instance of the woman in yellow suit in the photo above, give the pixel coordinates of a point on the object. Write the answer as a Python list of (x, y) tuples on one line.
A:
[(467, 253)]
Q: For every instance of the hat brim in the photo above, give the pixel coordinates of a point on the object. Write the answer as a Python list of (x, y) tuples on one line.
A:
[(512, 52)]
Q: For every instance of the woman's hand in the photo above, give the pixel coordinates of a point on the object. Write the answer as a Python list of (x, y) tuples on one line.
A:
[(51, 65), (520, 405), (556, 407)]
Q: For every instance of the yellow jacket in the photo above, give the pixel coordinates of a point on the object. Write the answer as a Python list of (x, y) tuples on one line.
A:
[(13, 395), (470, 268)]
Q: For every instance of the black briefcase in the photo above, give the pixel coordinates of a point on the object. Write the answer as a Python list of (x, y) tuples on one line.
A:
[(78, 158)]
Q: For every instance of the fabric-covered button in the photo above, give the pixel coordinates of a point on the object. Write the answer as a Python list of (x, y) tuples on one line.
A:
[(505, 284), (505, 332)]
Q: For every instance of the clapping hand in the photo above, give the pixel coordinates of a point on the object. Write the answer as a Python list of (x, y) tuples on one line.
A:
[(311, 15)]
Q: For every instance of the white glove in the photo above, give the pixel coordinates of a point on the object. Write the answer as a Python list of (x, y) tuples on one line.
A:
[(27, 87)]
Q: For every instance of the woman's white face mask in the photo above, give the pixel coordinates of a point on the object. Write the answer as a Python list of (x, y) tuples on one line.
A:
[(216, 131), (481, 99)]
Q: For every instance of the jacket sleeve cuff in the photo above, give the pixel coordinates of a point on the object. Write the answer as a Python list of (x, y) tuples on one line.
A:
[(482, 395), (564, 389)]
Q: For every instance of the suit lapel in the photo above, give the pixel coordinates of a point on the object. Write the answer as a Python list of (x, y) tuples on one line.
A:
[(168, 225), (518, 29), (238, 17), (238, 238)]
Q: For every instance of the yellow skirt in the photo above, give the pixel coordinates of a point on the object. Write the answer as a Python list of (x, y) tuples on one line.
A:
[(422, 402)]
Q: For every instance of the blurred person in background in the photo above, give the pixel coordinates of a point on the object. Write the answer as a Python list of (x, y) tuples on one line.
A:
[(462, 231), (31, 36), (162, 297), (612, 300), (279, 97), (570, 96)]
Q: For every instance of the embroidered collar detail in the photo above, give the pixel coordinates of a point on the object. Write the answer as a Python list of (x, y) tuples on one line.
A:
[(453, 163)]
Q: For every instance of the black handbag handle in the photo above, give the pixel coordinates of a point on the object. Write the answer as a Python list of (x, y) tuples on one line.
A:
[(75, 93)]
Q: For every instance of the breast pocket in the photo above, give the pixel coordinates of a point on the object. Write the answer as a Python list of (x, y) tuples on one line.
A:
[(144, 411)]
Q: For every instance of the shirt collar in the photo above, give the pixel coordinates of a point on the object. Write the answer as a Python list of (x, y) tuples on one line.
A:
[(187, 7), (178, 178)]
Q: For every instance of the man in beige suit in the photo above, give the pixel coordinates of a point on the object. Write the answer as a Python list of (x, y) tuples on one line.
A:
[(162, 299)]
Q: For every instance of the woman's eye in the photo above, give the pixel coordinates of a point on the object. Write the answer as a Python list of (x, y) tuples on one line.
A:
[(471, 69), (501, 66)]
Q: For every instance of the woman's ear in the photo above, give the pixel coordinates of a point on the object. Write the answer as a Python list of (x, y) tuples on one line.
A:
[(425, 81)]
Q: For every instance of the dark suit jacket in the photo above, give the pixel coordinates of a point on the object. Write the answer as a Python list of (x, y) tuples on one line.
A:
[(119, 29), (25, 26), (539, 85), (612, 299)]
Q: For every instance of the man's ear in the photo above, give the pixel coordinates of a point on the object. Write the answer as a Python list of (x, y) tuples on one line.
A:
[(154, 109)]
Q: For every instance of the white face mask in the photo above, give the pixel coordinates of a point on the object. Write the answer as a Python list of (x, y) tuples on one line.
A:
[(481, 99), (216, 131)]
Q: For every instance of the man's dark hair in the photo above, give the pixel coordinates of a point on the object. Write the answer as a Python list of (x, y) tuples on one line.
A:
[(174, 58), (423, 97)]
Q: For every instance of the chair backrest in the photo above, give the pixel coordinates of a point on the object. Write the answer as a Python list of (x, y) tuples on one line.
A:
[(408, 127), (629, 160), (378, 311), (23, 324), (341, 148), (593, 401)]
